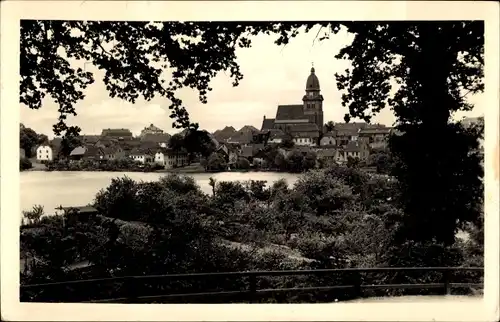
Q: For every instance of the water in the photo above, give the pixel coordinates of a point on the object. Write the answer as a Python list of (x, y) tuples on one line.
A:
[(54, 189)]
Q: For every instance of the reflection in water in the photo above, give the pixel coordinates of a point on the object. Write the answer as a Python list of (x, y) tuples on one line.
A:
[(52, 189)]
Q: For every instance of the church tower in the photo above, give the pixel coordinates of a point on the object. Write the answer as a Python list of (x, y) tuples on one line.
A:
[(313, 101)]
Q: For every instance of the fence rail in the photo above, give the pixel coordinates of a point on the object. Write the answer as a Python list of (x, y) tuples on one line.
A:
[(251, 292)]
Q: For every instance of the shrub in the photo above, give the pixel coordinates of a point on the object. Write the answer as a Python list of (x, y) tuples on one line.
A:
[(25, 164)]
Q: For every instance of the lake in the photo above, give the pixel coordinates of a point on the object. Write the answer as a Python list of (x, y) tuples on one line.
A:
[(53, 189)]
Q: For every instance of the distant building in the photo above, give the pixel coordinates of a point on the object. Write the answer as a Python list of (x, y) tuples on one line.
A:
[(77, 153), (310, 112), (44, 153), (161, 139), (151, 129), (22, 153), (120, 134), (142, 155), (169, 158), (376, 138), (328, 139)]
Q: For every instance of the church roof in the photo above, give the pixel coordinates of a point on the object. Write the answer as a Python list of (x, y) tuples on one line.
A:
[(306, 127), (290, 112), (312, 81), (267, 124)]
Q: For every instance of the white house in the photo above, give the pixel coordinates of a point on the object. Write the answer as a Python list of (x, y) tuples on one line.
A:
[(328, 139), (169, 159), (44, 153), (304, 141), (141, 156)]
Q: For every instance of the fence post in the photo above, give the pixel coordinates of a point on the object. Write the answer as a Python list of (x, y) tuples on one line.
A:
[(131, 287), (253, 286), (446, 281), (357, 284)]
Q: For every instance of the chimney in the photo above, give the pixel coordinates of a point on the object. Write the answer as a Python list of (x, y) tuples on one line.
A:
[(264, 117)]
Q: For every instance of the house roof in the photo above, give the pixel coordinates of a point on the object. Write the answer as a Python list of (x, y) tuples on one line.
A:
[(306, 127), (157, 138), (241, 137), (368, 131), (80, 150), (140, 151), (267, 124), (90, 138), (93, 151), (329, 135), (353, 146), (290, 112), (152, 127), (276, 134), (116, 132)]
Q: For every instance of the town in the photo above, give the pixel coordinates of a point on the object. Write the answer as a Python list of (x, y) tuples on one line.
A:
[(297, 132)]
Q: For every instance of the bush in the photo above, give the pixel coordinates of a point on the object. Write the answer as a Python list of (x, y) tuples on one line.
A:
[(25, 164)]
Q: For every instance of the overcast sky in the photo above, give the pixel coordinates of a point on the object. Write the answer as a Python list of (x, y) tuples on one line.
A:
[(272, 75)]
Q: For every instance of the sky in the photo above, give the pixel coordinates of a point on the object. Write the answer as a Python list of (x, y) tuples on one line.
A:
[(273, 75)]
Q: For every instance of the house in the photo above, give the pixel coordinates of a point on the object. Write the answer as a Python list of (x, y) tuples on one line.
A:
[(376, 138), (113, 153), (119, 134), (356, 149), (276, 136), (77, 153), (141, 155), (151, 129), (328, 139), (93, 153), (106, 142), (328, 156), (224, 134), (44, 153), (89, 139), (171, 159), (304, 140)]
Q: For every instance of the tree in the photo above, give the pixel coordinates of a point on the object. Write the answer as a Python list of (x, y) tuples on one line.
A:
[(435, 65), (176, 142), (28, 139), (287, 141), (212, 182), (25, 164), (134, 56), (68, 143), (329, 126), (216, 162), (242, 163), (352, 162)]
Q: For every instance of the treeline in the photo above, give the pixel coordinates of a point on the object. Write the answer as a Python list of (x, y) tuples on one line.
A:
[(331, 218), (122, 164), (296, 161)]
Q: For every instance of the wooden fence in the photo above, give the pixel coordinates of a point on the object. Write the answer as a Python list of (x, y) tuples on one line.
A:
[(251, 292)]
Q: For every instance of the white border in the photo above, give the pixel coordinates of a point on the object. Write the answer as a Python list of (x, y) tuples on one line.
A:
[(13, 11)]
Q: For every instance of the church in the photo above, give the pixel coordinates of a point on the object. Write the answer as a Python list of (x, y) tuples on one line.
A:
[(300, 120)]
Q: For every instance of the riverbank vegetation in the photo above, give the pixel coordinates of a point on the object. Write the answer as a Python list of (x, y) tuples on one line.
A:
[(121, 165), (25, 164), (331, 218)]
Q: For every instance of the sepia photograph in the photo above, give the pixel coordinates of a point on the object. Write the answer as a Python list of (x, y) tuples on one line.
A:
[(223, 161)]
